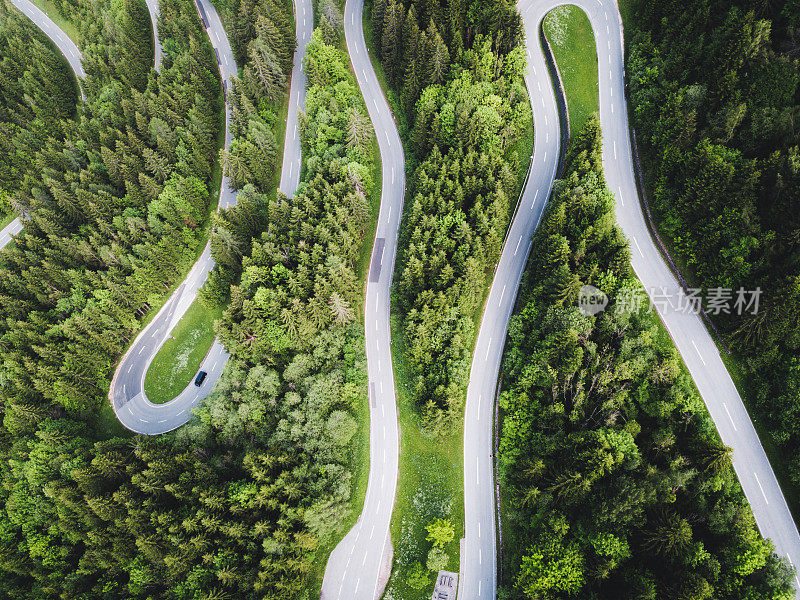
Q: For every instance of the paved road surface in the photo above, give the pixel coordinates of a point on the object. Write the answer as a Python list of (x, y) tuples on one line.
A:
[(358, 566), (60, 39), (152, 8), (127, 396), (10, 230), (304, 28), (690, 336)]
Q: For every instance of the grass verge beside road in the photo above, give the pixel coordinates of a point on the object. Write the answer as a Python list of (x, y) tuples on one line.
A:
[(430, 486), (570, 35), (178, 360)]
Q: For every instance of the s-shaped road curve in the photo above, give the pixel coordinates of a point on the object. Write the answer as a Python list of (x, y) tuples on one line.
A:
[(359, 566), (126, 394), (478, 575), (70, 51)]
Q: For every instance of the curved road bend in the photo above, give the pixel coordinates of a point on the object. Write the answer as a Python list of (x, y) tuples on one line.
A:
[(127, 396), (70, 51), (57, 35), (688, 332), (359, 566)]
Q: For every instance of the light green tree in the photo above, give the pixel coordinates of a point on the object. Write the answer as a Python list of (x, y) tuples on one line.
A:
[(441, 532)]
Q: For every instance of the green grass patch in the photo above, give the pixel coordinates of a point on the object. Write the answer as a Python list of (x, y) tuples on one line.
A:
[(178, 360), (430, 485), (524, 150), (570, 35)]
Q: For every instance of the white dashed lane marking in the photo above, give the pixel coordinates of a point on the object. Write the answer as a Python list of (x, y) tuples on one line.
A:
[(696, 349), (725, 406), (760, 487), (638, 247)]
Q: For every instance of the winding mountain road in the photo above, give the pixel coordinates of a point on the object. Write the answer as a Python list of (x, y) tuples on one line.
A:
[(359, 566), (70, 51), (479, 560), (127, 395)]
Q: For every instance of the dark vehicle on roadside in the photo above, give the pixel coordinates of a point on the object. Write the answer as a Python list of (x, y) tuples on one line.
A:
[(201, 377)]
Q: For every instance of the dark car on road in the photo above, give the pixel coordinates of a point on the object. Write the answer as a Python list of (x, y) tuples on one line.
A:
[(201, 377)]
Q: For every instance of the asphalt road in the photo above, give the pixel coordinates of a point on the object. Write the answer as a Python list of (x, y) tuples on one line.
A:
[(152, 8), (292, 160), (10, 230), (359, 566), (127, 396), (60, 39), (479, 575)]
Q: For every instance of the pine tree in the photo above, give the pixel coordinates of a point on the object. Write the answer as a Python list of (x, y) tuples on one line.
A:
[(390, 40), (378, 13), (267, 70), (439, 63)]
